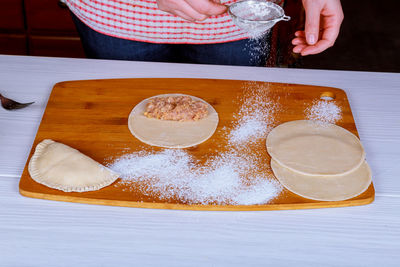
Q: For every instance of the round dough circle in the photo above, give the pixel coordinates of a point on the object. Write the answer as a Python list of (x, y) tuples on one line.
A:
[(171, 134), (314, 148), (325, 188)]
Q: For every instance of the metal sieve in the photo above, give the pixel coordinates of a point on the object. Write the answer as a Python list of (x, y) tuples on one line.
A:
[(256, 17)]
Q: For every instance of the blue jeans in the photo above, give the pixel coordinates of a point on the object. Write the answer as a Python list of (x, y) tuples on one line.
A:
[(247, 52)]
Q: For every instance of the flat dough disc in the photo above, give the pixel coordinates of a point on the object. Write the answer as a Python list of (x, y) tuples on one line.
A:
[(314, 148), (61, 167), (325, 188), (171, 134)]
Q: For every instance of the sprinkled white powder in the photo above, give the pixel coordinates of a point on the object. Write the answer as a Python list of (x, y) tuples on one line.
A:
[(173, 173), (248, 128), (324, 111), (327, 98), (255, 117), (235, 177), (258, 49)]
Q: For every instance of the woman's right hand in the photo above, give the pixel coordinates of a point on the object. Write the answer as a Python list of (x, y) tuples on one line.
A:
[(192, 10)]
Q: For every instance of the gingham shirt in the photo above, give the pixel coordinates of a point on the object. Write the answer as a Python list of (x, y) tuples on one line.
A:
[(141, 20)]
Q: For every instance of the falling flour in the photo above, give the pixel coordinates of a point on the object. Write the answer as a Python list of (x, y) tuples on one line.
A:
[(324, 111), (234, 177)]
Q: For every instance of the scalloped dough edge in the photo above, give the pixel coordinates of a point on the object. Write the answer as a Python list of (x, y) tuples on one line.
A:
[(38, 177)]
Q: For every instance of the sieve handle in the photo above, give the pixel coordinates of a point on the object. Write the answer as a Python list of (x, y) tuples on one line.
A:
[(285, 18)]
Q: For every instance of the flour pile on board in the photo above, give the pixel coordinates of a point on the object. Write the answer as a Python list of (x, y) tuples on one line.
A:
[(324, 110), (173, 173), (233, 177), (255, 117)]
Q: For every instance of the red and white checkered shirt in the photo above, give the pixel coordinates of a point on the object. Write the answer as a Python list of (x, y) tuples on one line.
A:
[(141, 20)]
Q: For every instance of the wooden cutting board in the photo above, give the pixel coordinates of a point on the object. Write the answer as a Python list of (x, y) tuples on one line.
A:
[(92, 116)]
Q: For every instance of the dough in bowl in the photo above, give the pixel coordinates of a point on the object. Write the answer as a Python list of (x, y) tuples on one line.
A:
[(314, 148), (168, 133), (324, 188), (61, 167)]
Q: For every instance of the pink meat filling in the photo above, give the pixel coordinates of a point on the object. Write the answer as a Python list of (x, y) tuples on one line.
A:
[(176, 108)]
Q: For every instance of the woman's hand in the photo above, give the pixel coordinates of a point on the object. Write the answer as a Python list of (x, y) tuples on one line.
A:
[(192, 10), (323, 20)]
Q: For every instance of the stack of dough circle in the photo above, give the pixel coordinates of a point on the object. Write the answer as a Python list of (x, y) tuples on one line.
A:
[(171, 134), (319, 161)]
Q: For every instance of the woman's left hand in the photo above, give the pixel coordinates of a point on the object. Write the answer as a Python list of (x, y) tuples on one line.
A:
[(323, 20)]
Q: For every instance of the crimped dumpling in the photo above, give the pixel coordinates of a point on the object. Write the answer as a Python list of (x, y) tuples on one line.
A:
[(61, 167)]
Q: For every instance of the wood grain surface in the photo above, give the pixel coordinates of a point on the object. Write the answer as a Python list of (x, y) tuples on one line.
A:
[(92, 115)]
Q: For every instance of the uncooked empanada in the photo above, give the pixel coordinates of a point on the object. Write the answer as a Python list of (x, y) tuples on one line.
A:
[(61, 167)]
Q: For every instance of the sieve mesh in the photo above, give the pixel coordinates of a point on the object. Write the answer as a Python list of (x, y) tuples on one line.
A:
[(256, 17)]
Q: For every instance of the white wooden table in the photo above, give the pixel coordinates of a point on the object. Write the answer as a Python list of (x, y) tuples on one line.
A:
[(36, 232)]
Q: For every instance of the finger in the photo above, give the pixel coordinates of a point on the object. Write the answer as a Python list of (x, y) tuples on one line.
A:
[(315, 49), (184, 16), (300, 34), (183, 10), (207, 7), (313, 11), (328, 39), (297, 41), (191, 12), (322, 45), (299, 48)]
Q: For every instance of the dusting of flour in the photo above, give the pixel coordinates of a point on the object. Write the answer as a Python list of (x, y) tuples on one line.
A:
[(325, 111), (233, 177), (173, 173), (255, 118)]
